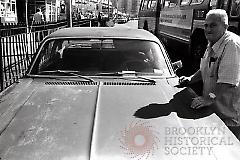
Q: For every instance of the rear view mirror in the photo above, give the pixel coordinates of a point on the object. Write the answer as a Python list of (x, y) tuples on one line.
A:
[(177, 65)]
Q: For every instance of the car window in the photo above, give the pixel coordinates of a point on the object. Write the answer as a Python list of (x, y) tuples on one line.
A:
[(91, 56), (47, 55), (235, 8)]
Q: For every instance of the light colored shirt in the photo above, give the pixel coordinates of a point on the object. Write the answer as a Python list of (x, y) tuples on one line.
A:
[(38, 17), (223, 69), (229, 67)]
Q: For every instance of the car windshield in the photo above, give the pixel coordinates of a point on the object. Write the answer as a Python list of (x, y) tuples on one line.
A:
[(94, 56)]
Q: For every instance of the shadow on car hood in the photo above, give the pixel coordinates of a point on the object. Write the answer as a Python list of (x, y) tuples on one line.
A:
[(40, 120)]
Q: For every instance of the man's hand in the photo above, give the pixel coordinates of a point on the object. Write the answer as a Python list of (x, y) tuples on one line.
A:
[(183, 81), (186, 81), (200, 102)]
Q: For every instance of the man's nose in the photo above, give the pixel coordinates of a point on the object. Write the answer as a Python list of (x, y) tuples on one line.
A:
[(207, 28)]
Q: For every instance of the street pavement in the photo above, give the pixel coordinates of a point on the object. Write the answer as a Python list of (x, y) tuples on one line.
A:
[(129, 24)]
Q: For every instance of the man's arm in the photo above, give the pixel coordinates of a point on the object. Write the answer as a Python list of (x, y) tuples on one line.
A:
[(220, 100), (196, 77), (222, 104), (186, 81)]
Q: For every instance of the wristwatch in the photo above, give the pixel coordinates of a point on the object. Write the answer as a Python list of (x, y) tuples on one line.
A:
[(212, 95)]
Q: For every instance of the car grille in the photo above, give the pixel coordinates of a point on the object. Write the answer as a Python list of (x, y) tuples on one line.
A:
[(127, 83), (71, 83), (110, 83)]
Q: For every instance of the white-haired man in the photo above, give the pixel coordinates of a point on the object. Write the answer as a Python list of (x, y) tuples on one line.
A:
[(220, 71)]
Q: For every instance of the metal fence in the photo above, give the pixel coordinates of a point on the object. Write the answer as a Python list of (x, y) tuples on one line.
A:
[(19, 43)]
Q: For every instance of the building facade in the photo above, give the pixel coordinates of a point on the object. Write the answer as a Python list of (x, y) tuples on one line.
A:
[(91, 8), (129, 7), (14, 11), (8, 11), (135, 7)]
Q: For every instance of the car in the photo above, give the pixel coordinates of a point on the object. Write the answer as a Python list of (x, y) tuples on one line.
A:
[(105, 93), (134, 18), (121, 20)]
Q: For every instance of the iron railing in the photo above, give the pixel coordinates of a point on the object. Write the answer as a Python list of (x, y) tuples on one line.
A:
[(19, 43)]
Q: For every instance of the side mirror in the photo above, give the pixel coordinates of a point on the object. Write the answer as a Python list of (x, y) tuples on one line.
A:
[(177, 65)]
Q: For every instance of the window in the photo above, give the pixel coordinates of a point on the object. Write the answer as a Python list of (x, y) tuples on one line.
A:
[(185, 2), (91, 56), (213, 4), (47, 55), (225, 5), (166, 4), (171, 3), (149, 3), (235, 8), (154, 4), (8, 9), (196, 1), (144, 4), (2, 9)]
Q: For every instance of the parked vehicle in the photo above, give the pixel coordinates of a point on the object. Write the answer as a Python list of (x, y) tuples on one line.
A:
[(181, 23), (122, 20), (106, 93)]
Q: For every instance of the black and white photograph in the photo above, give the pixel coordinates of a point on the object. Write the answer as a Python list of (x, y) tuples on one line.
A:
[(119, 80)]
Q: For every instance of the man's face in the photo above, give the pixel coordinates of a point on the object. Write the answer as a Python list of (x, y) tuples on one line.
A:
[(214, 29)]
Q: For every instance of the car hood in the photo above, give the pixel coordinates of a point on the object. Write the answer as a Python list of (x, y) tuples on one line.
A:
[(57, 120)]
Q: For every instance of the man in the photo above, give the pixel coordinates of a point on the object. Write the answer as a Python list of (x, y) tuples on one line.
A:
[(219, 71), (99, 19), (38, 16)]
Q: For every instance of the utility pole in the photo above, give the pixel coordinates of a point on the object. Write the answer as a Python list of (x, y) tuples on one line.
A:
[(26, 13), (117, 9), (108, 11), (68, 5), (1, 66)]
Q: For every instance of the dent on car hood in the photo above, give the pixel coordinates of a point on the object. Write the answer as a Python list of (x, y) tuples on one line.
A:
[(96, 121)]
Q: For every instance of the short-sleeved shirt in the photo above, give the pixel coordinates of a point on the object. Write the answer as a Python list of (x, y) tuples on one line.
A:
[(229, 67), (225, 69)]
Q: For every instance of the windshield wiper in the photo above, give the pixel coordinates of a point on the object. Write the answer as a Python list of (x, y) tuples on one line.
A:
[(73, 73), (128, 73)]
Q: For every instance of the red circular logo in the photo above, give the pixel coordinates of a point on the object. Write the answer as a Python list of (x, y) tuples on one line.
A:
[(139, 140)]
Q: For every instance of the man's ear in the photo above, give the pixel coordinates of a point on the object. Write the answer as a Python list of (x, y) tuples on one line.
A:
[(226, 26)]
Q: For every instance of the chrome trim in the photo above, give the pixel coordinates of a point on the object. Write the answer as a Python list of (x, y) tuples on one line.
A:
[(176, 37)]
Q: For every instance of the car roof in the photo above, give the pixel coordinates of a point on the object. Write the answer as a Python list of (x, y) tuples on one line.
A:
[(104, 32)]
